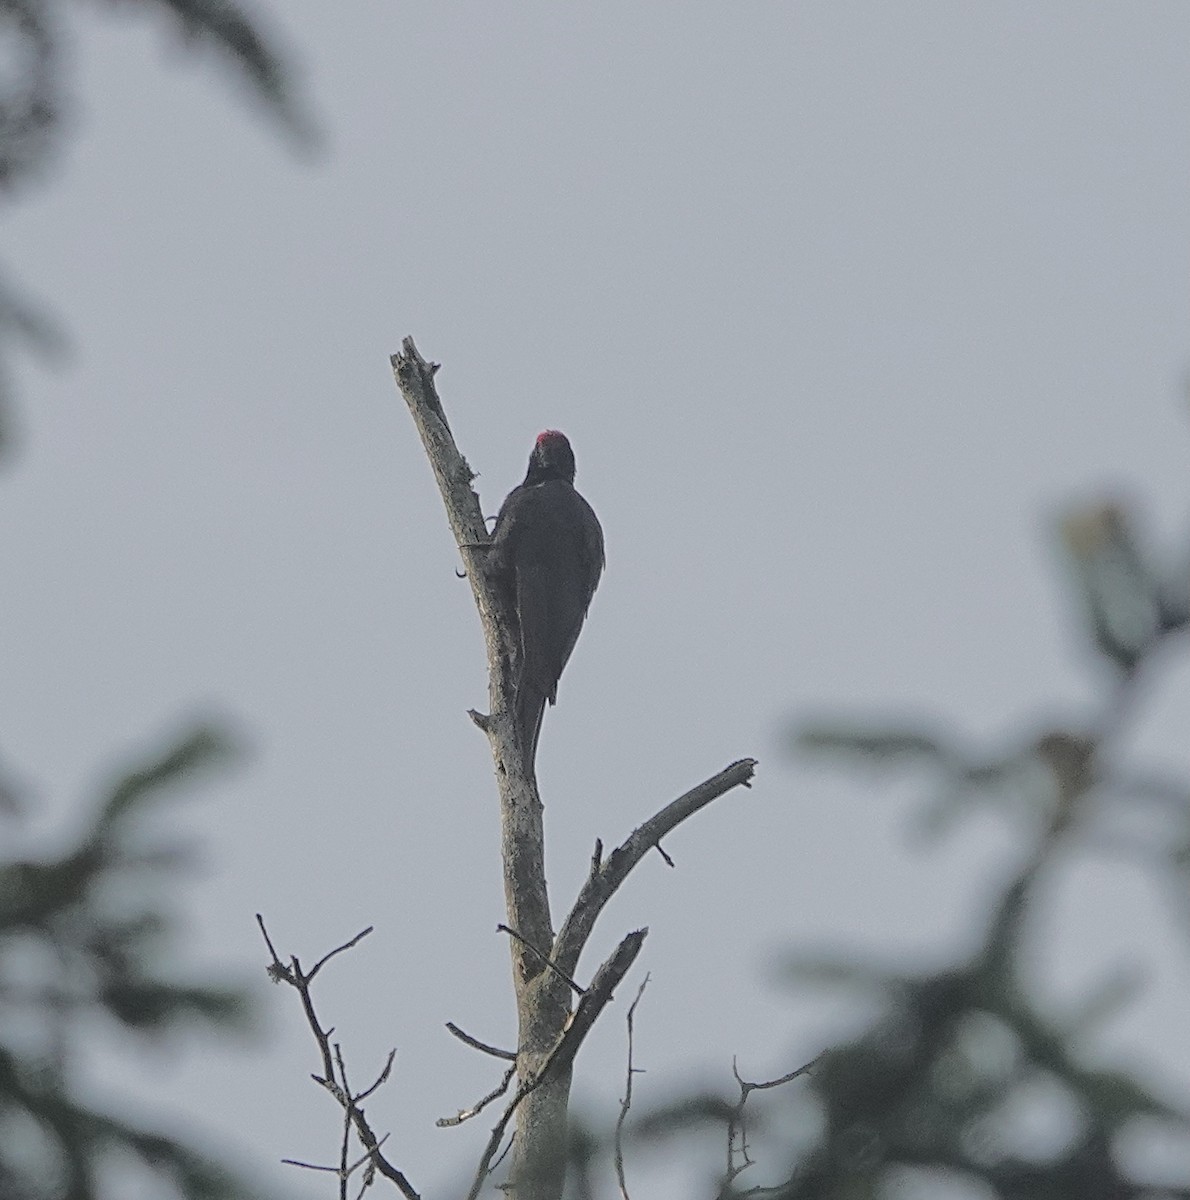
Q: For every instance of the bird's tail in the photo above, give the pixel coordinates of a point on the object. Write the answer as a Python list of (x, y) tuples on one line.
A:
[(530, 704)]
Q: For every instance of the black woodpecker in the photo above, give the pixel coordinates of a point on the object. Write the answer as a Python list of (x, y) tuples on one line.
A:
[(547, 551)]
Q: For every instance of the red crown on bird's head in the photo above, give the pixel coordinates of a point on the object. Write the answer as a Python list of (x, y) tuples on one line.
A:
[(552, 458)]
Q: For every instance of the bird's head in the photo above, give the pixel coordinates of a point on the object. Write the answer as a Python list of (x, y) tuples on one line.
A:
[(552, 458)]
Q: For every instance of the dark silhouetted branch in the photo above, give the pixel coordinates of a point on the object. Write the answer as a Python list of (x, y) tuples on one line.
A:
[(334, 1077), (544, 959), (738, 1159), (626, 1103), (476, 1044)]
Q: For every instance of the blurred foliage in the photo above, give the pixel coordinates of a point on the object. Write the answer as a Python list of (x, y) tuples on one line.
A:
[(960, 1082), (83, 936), (35, 98), (35, 34)]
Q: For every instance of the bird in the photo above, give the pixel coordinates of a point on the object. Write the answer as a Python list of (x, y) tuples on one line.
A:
[(547, 553)]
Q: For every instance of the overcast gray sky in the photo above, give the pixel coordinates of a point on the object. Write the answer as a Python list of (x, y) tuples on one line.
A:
[(838, 303)]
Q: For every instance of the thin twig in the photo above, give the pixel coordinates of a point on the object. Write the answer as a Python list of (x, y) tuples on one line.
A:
[(476, 1044), (504, 1153), (465, 1114), (297, 1162), (350, 1170), (627, 1101), (346, 1143), (268, 941), (347, 1112), (486, 1166), (544, 958), (737, 1131), (355, 941), (381, 1078)]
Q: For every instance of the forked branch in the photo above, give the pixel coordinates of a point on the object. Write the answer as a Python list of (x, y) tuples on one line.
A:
[(606, 875), (334, 1077), (595, 1000), (738, 1158)]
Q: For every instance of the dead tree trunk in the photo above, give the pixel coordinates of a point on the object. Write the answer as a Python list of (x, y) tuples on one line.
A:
[(550, 1027)]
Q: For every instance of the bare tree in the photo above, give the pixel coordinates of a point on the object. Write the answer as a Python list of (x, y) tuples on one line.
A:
[(544, 963), (554, 1011)]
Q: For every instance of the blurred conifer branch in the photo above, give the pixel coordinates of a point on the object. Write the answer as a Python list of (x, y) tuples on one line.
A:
[(35, 98), (931, 1089), (83, 934)]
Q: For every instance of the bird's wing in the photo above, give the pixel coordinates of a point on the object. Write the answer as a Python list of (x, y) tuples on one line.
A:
[(501, 547), (549, 625), (580, 578), (592, 546)]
